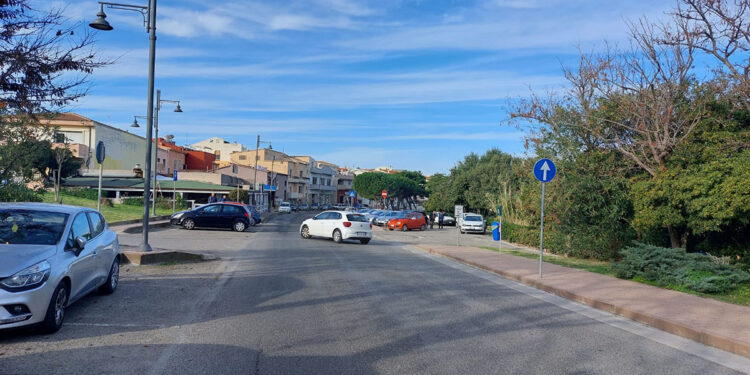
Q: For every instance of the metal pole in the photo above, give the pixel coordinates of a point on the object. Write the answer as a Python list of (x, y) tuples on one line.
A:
[(147, 180), (174, 195), (541, 234), (500, 231), (255, 171), (99, 194), (156, 143)]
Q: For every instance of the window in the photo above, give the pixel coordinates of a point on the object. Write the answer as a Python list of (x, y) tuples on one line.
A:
[(243, 157), (357, 217), (212, 209), (31, 227), (300, 174), (315, 180), (231, 210), (71, 137), (80, 228), (97, 223), (335, 216), (300, 189)]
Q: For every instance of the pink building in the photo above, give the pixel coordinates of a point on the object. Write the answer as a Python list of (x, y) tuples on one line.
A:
[(169, 157)]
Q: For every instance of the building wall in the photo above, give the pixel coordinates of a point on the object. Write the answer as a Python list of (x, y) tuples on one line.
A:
[(248, 174), (123, 150), (166, 159), (199, 160), (219, 147), (297, 171)]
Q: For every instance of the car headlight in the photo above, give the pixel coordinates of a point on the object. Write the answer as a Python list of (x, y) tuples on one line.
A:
[(28, 278), (177, 215)]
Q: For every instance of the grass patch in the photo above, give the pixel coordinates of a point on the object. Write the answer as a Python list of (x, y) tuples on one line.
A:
[(739, 296), (118, 212)]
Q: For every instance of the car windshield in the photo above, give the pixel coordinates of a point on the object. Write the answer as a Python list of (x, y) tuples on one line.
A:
[(473, 218), (356, 217), (400, 215), (28, 227), (285, 205)]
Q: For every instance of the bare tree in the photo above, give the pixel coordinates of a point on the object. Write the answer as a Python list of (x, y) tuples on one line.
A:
[(638, 102), (720, 28)]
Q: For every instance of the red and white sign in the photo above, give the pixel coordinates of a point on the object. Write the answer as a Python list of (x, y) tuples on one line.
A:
[(384, 194)]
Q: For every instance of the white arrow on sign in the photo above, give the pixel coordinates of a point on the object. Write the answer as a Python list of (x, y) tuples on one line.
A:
[(545, 168)]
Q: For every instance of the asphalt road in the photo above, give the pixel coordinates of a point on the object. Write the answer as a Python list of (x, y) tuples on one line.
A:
[(278, 304)]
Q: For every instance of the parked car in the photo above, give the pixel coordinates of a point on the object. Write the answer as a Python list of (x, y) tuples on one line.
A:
[(406, 221), (304, 207), (215, 215), (255, 215), (384, 217), (338, 225), (447, 220), (51, 256), (295, 207), (285, 207), (472, 223)]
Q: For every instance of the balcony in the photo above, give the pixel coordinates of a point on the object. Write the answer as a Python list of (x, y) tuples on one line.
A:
[(79, 150)]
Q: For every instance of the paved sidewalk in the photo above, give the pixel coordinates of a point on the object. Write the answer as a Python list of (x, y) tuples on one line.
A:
[(714, 323)]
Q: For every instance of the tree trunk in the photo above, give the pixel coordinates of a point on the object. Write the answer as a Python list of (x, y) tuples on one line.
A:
[(674, 237), (57, 185)]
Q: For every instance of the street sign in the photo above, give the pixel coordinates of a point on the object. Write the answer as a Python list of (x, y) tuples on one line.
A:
[(545, 170), (352, 193), (100, 152), (269, 187), (499, 210), (384, 194), (174, 177), (458, 211)]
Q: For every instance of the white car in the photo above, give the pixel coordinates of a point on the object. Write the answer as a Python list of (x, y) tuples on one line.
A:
[(338, 225), (472, 223), (285, 207)]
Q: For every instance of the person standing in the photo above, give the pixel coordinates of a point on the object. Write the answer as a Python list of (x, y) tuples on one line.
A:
[(432, 220), (441, 216), (212, 198), (224, 198)]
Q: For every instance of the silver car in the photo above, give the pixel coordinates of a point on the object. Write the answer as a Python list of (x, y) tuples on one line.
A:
[(50, 256)]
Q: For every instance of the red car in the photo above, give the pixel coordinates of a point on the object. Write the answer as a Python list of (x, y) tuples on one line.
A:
[(414, 220)]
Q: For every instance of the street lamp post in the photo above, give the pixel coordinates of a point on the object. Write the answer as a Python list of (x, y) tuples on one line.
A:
[(257, 156), (149, 21), (159, 100)]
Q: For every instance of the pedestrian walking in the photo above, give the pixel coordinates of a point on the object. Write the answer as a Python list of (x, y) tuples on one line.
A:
[(432, 219), (224, 198), (441, 217)]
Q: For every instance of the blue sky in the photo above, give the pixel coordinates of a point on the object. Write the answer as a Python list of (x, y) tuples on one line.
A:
[(412, 84)]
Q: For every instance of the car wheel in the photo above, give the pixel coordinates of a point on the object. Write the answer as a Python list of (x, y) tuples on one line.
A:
[(404, 227), (337, 236), (305, 232), (423, 227), (188, 224), (113, 279), (239, 226), (364, 241), (53, 319)]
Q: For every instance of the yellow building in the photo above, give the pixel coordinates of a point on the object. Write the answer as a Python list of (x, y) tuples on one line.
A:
[(297, 170)]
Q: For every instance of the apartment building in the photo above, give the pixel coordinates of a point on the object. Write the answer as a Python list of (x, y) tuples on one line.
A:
[(322, 174), (219, 147), (297, 171)]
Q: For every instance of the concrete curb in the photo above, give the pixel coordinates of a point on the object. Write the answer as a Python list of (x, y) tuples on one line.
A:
[(662, 323), (135, 221), (162, 256), (138, 228)]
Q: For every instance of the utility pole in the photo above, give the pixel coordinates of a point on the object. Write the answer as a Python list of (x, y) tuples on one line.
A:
[(255, 171)]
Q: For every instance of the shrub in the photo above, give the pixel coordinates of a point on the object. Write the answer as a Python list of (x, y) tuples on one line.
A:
[(17, 192), (676, 267), (521, 234), (86, 193)]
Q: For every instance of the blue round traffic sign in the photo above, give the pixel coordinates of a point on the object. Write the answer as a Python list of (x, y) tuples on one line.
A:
[(352, 193), (545, 170)]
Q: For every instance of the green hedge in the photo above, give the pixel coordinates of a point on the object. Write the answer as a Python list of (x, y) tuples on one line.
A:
[(676, 267), (520, 234), (17, 192), (86, 193), (165, 203)]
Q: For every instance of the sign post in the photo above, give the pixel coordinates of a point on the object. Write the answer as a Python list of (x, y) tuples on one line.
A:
[(384, 194), (352, 196), (100, 155), (499, 228), (544, 171), (458, 211), (174, 190)]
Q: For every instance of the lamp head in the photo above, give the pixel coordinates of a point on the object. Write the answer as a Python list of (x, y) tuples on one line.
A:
[(100, 23), (135, 123), (178, 109)]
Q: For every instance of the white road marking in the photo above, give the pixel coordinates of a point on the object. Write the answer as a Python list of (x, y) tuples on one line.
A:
[(726, 359)]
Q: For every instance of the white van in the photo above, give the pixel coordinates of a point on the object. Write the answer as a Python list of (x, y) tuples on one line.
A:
[(285, 207)]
